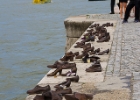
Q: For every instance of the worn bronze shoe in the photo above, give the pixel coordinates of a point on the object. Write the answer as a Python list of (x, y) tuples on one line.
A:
[(38, 89), (70, 97), (78, 96), (68, 56), (103, 52), (64, 91), (82, 96), (73, 79), (94, 68), (55, 96), (55, 65), (66, 83), (69, 65), (79, 44), (59, 69), (39, 97)]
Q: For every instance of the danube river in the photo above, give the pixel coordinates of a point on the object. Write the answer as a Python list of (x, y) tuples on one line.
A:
[(33, 36)]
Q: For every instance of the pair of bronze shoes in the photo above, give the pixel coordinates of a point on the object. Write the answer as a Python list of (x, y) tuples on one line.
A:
[(78, 96), (53, 95), (95, 67), (105, 38), (59, 69), (91, 58), (39, 89), (69, 56)]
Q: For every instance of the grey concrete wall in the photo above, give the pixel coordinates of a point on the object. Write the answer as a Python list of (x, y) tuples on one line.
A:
[(74, 29)]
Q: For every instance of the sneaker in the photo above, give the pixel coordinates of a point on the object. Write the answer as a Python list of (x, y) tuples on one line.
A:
[(124, 21), (136, 21)]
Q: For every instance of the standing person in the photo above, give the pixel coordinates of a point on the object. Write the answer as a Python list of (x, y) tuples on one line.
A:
[(112, 4), (123, 4), (131, 4)]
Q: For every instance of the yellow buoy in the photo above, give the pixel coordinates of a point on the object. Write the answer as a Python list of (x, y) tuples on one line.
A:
[(41, 1)]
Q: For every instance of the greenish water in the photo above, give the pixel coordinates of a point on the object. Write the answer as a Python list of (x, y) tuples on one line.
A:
[(32, 36)]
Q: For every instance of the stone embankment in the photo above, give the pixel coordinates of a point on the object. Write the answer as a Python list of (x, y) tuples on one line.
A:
[(119, 78)]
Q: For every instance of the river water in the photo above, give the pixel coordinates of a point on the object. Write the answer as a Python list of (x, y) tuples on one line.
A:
[(33, 36)]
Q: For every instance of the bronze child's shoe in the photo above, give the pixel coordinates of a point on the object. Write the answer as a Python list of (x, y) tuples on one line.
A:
[(38, 89)]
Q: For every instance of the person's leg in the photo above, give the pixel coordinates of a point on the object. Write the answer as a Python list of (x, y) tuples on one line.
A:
[(112, 4), (121, 10), (128, 9), (137, 7), (124, 5)]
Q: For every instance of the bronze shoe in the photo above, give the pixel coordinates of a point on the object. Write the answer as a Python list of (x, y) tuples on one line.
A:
[(64, 91), (38, 89), (94, 68), (82, 96), (78, 96), (55, 65), (39, 97), (74, 79), (70, 97), (69, 65), (59, 69), (63, 84), (103, 52)]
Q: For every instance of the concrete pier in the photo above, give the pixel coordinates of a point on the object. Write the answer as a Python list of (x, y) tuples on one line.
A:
[(119, 79)]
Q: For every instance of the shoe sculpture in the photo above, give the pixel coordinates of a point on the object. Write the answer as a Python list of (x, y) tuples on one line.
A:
[(73, 79), (69, 65), (66, 83), (94, 68), (91, 59), (64, 91), (72, 72), (57, 63), (38, 89), (51, 95), (105, 38), (68, 56), (59, 69), (103, 52), (78, 96)]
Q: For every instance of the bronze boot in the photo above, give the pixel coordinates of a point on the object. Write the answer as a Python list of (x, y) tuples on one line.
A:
[(38, 89)]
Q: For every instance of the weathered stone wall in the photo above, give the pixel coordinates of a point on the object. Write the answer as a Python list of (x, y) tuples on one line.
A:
[(74, 29)]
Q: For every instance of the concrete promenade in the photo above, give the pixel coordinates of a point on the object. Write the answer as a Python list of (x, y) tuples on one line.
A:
[(120, 79), (123, 69)]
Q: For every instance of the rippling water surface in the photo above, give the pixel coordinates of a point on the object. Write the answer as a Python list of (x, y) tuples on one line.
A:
[(33, 36)]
